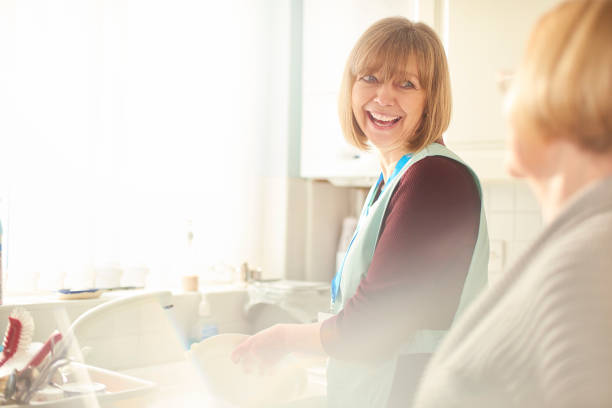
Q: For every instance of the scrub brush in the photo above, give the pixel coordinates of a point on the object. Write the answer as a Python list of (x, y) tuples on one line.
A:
[(18, 335), (47, 348)]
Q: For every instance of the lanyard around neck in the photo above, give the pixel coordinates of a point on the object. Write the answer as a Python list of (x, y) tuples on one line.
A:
[(335, 286), (398, 167)]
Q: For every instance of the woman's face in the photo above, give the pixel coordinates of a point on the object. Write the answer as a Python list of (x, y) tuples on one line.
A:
[(388, 112), (529, 155)]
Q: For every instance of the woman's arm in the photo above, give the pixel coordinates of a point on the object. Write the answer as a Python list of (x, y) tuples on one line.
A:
[(419, 266), (263, 350), (414, 281)]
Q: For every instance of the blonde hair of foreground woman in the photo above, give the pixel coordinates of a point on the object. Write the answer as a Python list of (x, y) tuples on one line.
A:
[(398, 39), (564, 86), (560, 104), (541, 335)]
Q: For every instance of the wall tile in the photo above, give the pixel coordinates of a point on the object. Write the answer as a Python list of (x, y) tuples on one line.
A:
[(98, 352), (104, 325), (501, 225), (486, 197), (525, 199), (527, 225), (128, 321), (159, 349), (123, 350), (513, 216), (500, 196)]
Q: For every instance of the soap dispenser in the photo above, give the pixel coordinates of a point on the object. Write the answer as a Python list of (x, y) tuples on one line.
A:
[(189, 277)]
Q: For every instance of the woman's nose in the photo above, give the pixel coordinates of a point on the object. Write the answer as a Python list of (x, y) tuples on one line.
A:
[(384, 95)]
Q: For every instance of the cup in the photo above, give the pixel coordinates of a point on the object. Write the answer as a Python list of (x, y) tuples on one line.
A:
[(134, 276), (190, 283), (108, 276)]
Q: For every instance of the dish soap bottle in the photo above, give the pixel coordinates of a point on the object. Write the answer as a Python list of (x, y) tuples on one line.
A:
[(189, 277)]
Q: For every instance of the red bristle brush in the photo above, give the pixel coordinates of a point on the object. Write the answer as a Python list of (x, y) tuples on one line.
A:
[(49, 345), (18, 335)]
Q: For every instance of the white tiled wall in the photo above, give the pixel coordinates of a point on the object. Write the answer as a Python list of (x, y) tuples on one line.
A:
[(514, 220), (148, 335), (143, 334)]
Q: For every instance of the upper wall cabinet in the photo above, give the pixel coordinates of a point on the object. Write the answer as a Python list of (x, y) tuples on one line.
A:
[(331, 28), (484, 38)]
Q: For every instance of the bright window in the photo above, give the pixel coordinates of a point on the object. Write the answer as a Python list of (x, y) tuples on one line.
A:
[(122, 120)]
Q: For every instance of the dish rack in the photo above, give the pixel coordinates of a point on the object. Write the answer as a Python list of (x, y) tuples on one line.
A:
[(56, 359), (118, 387)]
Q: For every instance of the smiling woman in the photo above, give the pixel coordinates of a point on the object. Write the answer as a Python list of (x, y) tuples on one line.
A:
[(122, 120), (419, 253)]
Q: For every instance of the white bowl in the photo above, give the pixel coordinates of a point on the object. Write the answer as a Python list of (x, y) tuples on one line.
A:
[(229, 382), (108, 277), (134, 276)]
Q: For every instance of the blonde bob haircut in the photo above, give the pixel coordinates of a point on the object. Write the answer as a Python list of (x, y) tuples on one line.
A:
[(385, 48), (563, 88)]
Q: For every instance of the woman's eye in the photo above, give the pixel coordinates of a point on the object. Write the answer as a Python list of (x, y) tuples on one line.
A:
[(370, 79), (407, 85)]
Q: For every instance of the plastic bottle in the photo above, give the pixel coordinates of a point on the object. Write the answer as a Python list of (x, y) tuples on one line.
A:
[(189, 255), (201, 330), (186, 266)]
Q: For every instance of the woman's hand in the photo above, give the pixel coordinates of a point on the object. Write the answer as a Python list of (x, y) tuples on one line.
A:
[(262, 351)]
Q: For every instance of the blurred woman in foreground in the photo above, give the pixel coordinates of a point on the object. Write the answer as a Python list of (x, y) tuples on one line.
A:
[(542, 335)]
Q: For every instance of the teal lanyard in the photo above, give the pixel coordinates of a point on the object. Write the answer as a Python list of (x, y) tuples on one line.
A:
[(335, 285)]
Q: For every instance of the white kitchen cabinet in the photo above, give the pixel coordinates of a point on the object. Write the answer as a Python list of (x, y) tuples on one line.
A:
[(331, 28), (484, 37)]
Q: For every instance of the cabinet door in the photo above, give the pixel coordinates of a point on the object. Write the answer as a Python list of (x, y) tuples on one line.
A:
[(331, 28), (484, 37)]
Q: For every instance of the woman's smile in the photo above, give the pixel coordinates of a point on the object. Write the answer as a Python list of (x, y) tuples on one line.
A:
[(382, 121)]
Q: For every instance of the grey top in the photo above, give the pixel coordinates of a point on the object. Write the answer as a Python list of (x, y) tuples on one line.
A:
[(540, 336)]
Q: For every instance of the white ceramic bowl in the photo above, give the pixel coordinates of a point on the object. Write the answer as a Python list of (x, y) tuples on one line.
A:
[(108, 277), (229, 382), (134, 276)]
